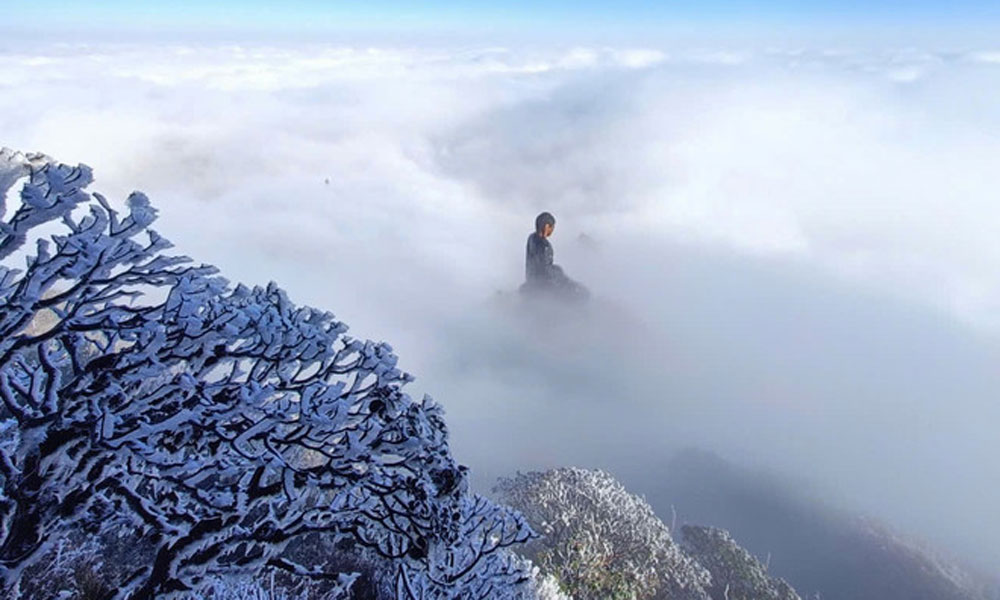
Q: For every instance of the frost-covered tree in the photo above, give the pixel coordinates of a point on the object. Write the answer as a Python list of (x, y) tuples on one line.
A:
[(223, 421), (546, 587), (600, 541), (736, 574)]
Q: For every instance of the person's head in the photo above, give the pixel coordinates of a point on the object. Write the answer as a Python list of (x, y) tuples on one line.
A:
[(545, 223)]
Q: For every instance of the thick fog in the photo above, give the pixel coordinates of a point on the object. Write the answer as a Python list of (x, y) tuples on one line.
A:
[(794, 253)]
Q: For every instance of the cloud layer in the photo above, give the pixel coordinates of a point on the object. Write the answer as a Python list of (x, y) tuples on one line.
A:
[(793, 251)]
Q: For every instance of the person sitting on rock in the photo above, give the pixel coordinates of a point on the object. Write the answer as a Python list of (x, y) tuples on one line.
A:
[(541, 274)]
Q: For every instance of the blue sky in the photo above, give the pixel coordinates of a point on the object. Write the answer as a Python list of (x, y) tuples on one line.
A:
[(541, 16)]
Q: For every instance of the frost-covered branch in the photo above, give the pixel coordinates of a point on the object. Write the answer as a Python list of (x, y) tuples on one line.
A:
[(223, 421)]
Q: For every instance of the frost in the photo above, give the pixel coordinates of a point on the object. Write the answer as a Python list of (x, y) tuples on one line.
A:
[(224, 421), (736, 574), (599, 541)]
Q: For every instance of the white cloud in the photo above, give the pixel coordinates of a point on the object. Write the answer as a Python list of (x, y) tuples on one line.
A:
[(987, 57)]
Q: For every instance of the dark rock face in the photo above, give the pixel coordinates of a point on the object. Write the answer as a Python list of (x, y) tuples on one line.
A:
[(736, 574)]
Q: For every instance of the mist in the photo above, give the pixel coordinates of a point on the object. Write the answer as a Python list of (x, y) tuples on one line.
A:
[(791, 250)]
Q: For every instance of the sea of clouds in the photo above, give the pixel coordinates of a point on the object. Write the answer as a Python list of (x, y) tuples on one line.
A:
[(793, 252)]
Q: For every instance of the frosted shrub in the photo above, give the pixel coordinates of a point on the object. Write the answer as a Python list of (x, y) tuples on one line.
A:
[(736, 574), (69, 571), (547, 588), (599, 541), (243, 588), (222, 421)]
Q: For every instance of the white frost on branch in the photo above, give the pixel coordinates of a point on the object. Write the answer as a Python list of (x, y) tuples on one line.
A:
[(224, 421)]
